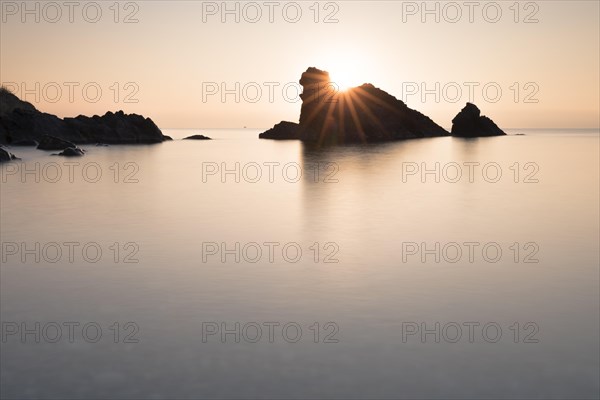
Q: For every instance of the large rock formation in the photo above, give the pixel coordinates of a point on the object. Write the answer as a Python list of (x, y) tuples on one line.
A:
[(470, 123), (21, 121), (361, 114)]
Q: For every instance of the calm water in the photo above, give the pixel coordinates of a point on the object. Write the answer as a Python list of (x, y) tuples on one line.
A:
[(370, 209)]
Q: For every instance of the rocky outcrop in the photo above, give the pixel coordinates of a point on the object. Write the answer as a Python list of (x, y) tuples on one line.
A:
[(116, 128), (197, 137), (21, 121), (362, 114), (6, 155), (283, 131), (470, 123), (71, 152)]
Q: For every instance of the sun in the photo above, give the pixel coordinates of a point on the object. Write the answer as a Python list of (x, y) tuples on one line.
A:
[(345, 73), (344, 78)]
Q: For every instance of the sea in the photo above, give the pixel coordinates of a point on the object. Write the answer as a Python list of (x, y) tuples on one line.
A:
[(237, 268)]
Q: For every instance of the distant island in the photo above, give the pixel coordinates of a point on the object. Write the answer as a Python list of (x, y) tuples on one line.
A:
[(366, 114)]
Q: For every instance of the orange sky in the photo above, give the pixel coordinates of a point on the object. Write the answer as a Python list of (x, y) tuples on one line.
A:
[(531, 65)]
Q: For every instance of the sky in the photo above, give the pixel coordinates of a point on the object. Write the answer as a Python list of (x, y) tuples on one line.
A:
[(198, 64)]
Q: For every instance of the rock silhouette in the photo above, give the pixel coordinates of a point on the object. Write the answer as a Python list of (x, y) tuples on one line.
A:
[(21, 121), (283, 130), (366, 114), (470, 123), (71, 152), (197, 137), (358, 115)]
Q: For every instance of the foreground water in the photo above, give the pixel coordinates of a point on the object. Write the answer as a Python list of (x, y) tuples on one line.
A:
[(378, 277)]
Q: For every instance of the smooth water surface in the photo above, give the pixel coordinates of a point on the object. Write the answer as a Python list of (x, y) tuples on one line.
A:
[(367, 226)]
